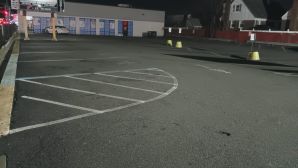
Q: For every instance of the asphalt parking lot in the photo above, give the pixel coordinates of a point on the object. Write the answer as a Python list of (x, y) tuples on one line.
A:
[(112, 102)]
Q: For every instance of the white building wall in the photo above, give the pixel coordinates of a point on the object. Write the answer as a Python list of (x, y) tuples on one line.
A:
[(139, 27), (244, 14), (112, 12), (143, 20)]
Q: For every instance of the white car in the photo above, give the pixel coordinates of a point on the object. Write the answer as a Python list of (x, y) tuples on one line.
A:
[(59, 30)]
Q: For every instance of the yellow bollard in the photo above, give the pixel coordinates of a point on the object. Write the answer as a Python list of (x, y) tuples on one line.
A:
[(254, 56), (178, 44), (170, 43)]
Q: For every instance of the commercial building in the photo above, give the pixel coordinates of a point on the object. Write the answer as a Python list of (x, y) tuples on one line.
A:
[(92, 19)]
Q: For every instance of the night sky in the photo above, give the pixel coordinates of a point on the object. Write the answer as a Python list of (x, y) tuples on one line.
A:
[(196, 7), (170, 6)]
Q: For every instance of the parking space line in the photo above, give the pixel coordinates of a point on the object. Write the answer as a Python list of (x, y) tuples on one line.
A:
[(79, 74), (52, 76), (65, 60), (47, 52), (124, 77), (82, 91), (142, 73), (112, 84), (212, 69), (63, 104), (286, 74), (93, 113)]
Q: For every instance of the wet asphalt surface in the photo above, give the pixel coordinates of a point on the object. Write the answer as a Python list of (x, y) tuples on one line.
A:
[(140, 103)]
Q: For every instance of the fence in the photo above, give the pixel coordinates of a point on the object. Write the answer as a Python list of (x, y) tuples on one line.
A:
[(6, 31), (186, 32), (261, 36)]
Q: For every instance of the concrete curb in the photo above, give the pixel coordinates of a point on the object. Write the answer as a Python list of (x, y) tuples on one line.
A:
[(3, 161), (7, 87)]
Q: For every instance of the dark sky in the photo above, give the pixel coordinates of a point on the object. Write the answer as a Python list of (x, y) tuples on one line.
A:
[(171, 6)]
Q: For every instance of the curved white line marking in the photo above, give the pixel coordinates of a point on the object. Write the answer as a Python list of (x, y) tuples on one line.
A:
[(93, 113)]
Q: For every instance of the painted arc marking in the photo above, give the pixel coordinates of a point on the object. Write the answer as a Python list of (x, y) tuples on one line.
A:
[(27, 128), (212, 69), (77, 74), (124, 77), (112, 84), (65, 60), (82, 91), (142, 73)]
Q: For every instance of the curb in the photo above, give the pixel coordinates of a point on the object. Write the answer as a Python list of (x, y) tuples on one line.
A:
[(7, 87), (2, 161)]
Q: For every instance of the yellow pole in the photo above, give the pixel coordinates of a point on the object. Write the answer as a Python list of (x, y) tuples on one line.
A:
[(25, 25), (53, 23)]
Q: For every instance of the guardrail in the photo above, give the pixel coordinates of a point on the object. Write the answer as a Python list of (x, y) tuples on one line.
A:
[(6, 31)]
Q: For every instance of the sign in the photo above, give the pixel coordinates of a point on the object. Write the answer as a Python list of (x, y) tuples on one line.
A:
[(42, 5), (252, 37), (15, 4), (170, 30), (180, 30)]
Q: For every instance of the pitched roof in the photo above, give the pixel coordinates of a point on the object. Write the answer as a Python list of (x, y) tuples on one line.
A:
[(257, 8)]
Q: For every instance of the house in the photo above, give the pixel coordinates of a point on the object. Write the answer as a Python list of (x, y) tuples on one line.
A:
[(246, 14), (290, 18)]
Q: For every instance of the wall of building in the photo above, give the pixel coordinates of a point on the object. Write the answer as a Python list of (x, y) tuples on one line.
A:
[(112, 12), (140, 26)]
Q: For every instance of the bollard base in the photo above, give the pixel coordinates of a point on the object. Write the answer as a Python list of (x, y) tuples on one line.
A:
[(254, 56), (179, 44), (170, 43)]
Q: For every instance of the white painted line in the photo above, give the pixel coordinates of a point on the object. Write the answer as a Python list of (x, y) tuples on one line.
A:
[(65, 60), (93, 113), (286, 74), (112, 84), (52, 76), (17, 130), (82, 91), (124, 77), (78, 74), (142, 73), (63, 104), (212, 69), (48, 52)]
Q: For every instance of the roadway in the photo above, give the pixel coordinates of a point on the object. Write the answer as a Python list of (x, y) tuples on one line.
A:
[(112, 102)]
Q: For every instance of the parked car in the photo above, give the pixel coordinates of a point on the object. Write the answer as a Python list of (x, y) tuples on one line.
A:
[(59, 30)]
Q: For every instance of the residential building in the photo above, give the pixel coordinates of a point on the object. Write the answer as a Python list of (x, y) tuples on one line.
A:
[(246, 14)]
